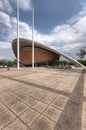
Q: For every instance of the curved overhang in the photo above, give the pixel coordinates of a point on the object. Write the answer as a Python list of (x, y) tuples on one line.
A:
[(26, 43)]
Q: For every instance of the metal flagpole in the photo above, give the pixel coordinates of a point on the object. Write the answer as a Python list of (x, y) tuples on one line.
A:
[(33, 38), (18, 65)]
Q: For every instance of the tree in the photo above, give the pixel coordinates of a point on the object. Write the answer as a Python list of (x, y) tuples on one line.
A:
[(82, 53), (12, 63)]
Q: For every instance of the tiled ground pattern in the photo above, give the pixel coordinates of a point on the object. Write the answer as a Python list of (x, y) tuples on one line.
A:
[(42, 99)]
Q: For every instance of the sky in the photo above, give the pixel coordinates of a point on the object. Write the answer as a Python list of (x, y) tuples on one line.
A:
[(59, 24)]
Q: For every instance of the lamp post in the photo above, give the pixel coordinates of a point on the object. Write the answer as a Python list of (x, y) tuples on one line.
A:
[(33, 38), (18, 65)]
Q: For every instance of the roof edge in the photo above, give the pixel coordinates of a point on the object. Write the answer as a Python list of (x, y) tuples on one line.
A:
[(51, 49)]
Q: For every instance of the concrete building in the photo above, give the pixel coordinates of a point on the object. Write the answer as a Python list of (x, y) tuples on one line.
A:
[(43, 55)]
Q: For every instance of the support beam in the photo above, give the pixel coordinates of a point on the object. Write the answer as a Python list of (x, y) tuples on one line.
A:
[(33, 38), (18, 51)]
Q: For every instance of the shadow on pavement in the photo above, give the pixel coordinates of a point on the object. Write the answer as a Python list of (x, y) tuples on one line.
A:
[(70, 118)]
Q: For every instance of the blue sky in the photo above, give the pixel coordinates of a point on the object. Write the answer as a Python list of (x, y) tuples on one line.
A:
[(60, 24)]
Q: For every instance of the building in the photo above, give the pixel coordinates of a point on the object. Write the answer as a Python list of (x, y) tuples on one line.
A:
[(43, 55)]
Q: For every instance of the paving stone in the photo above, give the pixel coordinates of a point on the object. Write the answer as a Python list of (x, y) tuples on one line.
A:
[(52, 95), (38, 95), (22, 97), (59, 127), (7, 98), (43, 123), (31, 101), (29, 92), (68, 124), (16, 125), (84, 93), (83, 126), (12, 103), (73, 111), (48, 98), (29, 116), (63, 98), (2, 108), (40, 106), (84, 115), (58, 104), (52, 113), (76, 98), (19, 109), (2, 94), (6, 118), (84, 105), (67, 90), (47, 107)]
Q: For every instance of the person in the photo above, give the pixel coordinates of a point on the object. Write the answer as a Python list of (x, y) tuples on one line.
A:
[(7, 67)]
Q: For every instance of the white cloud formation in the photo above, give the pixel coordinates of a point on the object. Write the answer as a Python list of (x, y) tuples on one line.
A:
[(8, 5), (5, 19), (5, 45), (68, 37), (25, 4), (5, 5)]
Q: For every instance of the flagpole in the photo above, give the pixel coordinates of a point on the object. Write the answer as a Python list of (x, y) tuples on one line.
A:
[(33, 38), (18, 65)]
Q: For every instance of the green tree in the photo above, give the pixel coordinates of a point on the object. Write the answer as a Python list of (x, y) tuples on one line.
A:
[(10, 63), (82, 53)]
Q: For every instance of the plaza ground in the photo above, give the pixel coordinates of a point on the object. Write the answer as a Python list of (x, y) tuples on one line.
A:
[(42, 99)]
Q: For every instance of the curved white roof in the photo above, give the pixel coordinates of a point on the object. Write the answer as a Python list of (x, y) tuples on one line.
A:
[(25, 42)]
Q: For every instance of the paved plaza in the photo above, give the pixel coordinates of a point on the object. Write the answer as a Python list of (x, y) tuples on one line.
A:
[(42, 99)]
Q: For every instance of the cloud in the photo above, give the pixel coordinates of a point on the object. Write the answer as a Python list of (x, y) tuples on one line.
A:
[(5, 5), (6, 51), (6, 54), (8, 5), (7, 27), (5, 45), (67, 37), (25, 30), (5, 20), (25, 5)]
